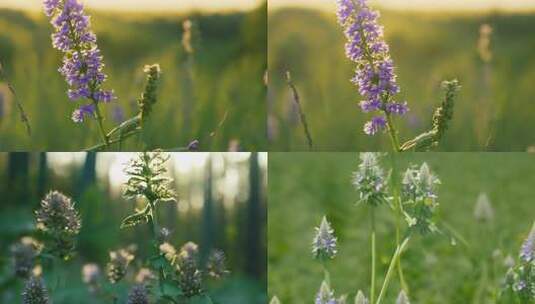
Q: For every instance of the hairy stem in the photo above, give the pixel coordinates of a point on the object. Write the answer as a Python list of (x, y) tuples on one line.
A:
[(302, 117), (393, 263), (392, 132), (373, 248), (98, 116)]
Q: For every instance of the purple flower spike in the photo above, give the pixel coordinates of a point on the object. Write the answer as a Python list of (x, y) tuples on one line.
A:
[(375, 125), (79, 115), (82, 64), (527, 252), (375, 76)]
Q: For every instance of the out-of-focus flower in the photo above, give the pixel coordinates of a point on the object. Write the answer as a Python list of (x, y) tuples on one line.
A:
[(144, 275), (527, 252), (149, 96), (35, 292), (91, 273), (325, 295), (138, 295), (118, 264), (402, 298), (360, 298), (23, 255), (324, 244), (189, 275), (216, 266), (483, 210)]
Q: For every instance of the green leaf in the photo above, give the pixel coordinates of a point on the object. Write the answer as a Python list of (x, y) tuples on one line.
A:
[(202, 299), (136, 218), (171, 288)]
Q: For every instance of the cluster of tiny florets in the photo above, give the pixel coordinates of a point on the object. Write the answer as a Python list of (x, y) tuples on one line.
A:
[(419, 198), (325, 295), (58, 217), (138, 295), (375, 75), (369, 180), (216, 265), (35, 292), (189, 275), (82, 63), (324, 243), (118, 264)]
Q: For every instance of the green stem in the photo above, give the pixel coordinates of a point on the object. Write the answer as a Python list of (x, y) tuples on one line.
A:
[(373, 248), (326, 274), (98, 116), (392, 132), (398, 210), (393, 263)]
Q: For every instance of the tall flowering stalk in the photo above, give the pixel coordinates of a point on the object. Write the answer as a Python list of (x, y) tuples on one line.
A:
[(370, 183), (374, 76), (520, 279), (82, 61)]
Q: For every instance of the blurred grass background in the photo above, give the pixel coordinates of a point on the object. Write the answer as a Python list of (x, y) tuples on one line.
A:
[(494, 111), (305, 186), (221, 204), (227, 77)]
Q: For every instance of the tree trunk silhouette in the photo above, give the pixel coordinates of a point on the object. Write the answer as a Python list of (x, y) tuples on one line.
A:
[(42, 175), (208, 213), (18, 178), (89, 174), (254, 256)]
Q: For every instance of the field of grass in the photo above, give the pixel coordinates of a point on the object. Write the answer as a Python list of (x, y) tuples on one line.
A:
[(303, 187), (227, 77), (494, 111)]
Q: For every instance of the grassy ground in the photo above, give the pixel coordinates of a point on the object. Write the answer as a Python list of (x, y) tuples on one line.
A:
[(304, 187), (229, 64), (494, 109)]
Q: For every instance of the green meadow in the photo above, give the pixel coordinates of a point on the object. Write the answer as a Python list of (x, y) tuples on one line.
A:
[(216, 96), (465, 263), (494, 110)]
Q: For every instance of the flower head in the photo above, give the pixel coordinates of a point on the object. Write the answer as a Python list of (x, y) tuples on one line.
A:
[(375, 76), (82, 63), (58, 217), (35, 292), (369, 180), (419, 198), (216, 266), (138, 295), (275, 300), (324, 244), (325, 295), (149, 97), (118, 264), (527, 252), (189, 275)]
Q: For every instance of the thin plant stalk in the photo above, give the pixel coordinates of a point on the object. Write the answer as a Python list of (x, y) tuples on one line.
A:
[(393, 263), (398, 209), (23, 116), (392, 132), (302, 116), (373, 249), (326, 274), (98, 117)]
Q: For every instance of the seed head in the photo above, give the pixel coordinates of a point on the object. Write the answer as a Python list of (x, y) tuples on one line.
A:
[(138, 295), (149, 96), (369, 180), (444, 114), (35, 292), (118, 264), (324, 244)]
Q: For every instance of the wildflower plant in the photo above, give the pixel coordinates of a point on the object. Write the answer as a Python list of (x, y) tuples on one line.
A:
[(520, 279), (376, 79), (60, 221), (24, 255), (180, 273), (35, 292)]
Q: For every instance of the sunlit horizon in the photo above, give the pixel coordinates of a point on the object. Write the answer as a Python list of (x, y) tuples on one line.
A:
[(330, 5), (147, 5)]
